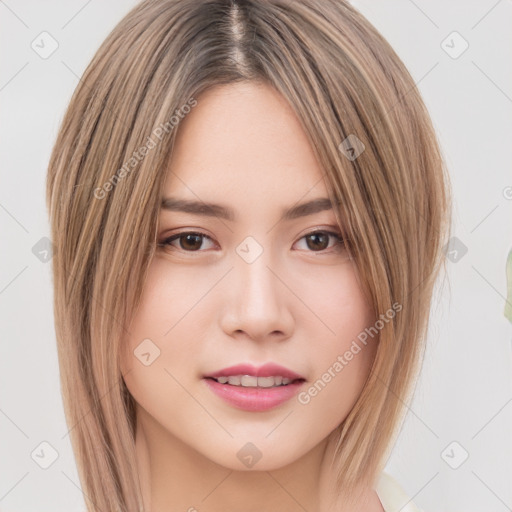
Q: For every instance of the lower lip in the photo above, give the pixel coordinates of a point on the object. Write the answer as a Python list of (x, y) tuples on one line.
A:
[(254, 399)]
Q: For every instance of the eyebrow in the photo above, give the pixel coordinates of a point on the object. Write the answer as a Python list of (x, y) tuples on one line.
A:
[(216, 210)]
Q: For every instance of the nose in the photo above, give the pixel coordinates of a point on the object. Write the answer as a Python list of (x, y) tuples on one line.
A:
[(257, 302)]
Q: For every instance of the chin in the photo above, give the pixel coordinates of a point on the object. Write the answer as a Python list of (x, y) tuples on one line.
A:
[(264, 455)]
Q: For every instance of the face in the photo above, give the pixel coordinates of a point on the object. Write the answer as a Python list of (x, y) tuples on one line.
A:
[(256, 287)]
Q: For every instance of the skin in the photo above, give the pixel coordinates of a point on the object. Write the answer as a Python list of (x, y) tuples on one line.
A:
[(298, 304)]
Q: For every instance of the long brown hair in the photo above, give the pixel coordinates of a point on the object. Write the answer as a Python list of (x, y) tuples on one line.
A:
[(342, 79)]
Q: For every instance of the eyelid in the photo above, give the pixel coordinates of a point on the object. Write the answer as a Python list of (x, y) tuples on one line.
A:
[(165, 242)]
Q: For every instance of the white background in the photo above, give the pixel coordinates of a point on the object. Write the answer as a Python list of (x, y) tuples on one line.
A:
[(465, 392)]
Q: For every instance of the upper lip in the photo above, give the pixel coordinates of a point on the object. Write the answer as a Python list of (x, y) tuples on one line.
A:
[(267, 370)]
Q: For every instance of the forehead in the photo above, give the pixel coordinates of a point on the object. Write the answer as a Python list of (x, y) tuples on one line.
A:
[(243, 140)]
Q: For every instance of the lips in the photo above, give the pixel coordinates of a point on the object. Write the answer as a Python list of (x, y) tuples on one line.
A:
[(254, 399), (255, 389), (267, 370)]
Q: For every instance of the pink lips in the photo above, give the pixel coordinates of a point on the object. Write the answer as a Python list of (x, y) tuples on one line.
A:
[(267, 370), (251, 398)]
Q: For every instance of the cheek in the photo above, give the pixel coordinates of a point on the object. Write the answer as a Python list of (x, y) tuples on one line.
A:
[(168, 301), (164, 313), (342, 357), (161, 348), (340, 310)]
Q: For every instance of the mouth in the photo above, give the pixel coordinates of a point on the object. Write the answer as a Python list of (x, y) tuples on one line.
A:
[(254, 389)]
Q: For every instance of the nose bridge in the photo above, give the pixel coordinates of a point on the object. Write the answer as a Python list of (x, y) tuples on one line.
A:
[(258, 287), (258, 305)]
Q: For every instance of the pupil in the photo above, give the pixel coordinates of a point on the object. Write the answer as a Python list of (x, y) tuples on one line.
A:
[(192, 239), (315, 237)]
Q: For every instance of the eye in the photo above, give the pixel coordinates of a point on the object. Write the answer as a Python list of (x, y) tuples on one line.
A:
[(316, 241), (188, 241)]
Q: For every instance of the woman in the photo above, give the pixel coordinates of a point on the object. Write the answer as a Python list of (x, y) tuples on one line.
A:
[(249, 206)]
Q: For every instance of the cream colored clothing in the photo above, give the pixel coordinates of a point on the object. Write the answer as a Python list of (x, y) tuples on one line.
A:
[(392, 496)]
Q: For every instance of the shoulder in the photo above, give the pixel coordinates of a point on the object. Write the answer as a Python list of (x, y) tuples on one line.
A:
[(392, 496)]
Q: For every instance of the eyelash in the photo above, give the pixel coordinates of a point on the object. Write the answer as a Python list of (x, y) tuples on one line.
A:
[(339, 240)]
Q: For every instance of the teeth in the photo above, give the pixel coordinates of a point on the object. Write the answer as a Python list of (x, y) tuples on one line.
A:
[(246, 381), (250, 381)]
